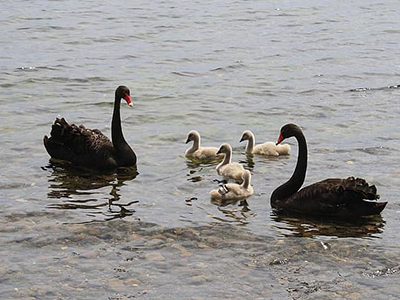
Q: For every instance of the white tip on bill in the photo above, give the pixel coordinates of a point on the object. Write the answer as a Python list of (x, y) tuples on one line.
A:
[(130, 104)]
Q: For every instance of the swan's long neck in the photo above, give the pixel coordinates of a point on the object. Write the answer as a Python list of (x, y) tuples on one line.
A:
[(227, 160), (123, 155), (250, 144), (196, 144), (296, 181), (246, 182), (116, 129)]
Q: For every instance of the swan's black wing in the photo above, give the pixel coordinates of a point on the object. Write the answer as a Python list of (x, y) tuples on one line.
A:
[(80, 146), (336, 197)]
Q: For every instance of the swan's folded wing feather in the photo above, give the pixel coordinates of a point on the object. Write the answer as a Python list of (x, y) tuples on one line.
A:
[(207, 153), (79, 140), (268, 148), (232, 170), (223, 190), (230, 191), (334, 196), (283, 149)]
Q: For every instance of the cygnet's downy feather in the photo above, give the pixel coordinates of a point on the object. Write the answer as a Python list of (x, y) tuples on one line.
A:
[(198, 152), (268, 148), (228, 169), (234, 191)]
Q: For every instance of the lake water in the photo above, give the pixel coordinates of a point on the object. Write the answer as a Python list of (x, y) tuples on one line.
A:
[(220, 68)]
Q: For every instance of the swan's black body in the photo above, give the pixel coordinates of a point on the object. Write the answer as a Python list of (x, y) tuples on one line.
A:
[(331, 197), (91, 148)]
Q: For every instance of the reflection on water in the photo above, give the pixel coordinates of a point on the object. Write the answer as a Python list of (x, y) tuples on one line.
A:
[(196, 167), (77, 189), (249, 162), (226, 202), (237, 212), (323, 226), (194, 164)]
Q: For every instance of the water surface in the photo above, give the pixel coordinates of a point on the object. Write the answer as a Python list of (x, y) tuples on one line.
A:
[(220, 68)]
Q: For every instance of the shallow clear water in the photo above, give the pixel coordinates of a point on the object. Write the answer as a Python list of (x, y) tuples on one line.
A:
[(219, 68)]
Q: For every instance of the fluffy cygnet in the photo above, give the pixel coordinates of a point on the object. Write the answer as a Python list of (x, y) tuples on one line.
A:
[(234, 191), (228, 169), (268, 148), (201, 153)]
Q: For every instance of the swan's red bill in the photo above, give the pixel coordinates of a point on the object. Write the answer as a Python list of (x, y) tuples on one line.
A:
[(128, 100), (280, 139)]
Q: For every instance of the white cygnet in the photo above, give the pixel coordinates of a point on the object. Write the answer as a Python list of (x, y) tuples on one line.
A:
[(234, 191), (268, 148), (201, 153), (228, 169)]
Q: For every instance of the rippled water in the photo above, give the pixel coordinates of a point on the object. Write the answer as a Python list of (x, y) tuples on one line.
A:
[(220, 68)]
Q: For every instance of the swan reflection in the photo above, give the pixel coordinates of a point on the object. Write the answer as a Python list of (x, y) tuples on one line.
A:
[(292, 225), (82, 189), (237, 211), (195, 173), (248, 162)]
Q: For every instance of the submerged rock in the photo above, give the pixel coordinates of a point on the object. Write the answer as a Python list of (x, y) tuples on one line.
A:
[(154, 256)]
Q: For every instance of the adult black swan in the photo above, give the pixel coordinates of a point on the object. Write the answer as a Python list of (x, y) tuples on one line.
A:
[(337, 197), (89, 147)]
